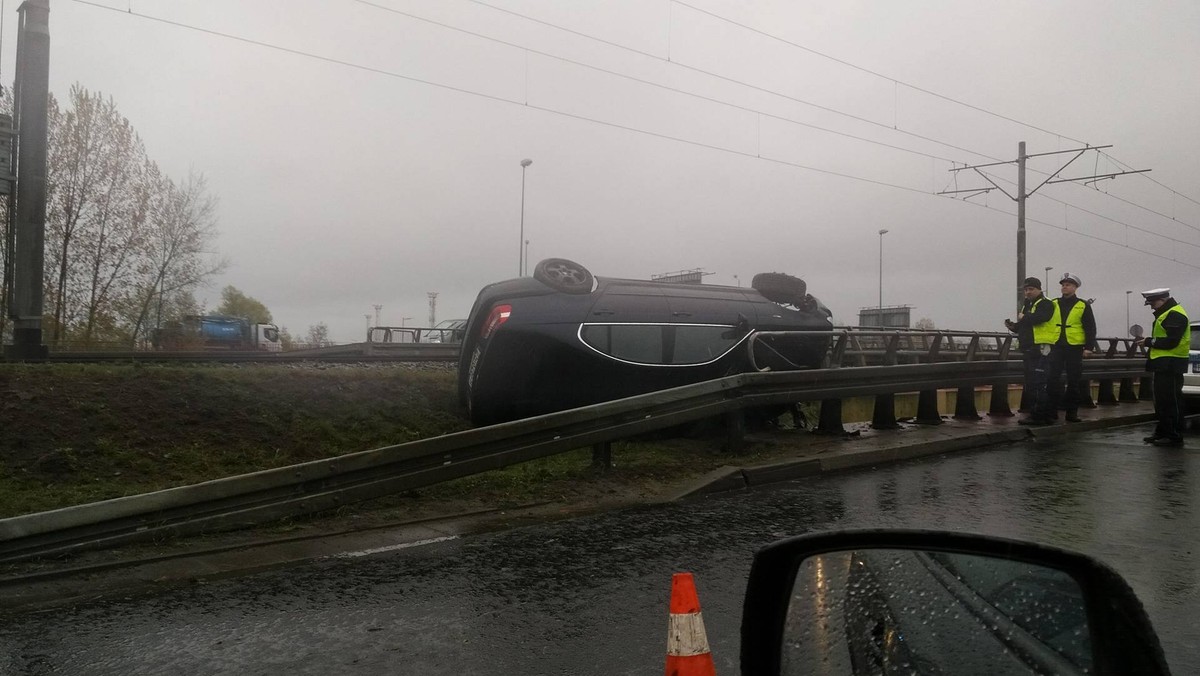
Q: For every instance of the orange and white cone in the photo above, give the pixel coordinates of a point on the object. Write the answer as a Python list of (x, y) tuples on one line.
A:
[(687, 644)]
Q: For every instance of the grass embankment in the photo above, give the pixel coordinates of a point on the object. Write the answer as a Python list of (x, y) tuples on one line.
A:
[(74, 434)]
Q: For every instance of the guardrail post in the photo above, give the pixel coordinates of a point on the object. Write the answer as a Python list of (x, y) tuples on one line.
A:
[(927, 405), (999, 404), (1106, 395), (1085, 394), (964, 404), (1127, 394), (884, 415), (602, 456), (831, 417), (964, 400), (735, 431), (927, 408)]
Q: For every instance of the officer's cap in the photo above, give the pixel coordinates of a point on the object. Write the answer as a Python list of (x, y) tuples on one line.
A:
[(1068, 277), (1156, 294)]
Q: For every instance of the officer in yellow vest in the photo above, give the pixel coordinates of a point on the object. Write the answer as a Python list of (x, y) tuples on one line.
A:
[(1167, 359), (1074, 329), (1036, 334)]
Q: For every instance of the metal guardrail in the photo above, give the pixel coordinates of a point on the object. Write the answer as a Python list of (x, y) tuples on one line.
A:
[(353, 352), (849, 346), (324, 484)]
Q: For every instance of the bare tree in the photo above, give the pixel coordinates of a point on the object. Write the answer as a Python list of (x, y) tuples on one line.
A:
[(178, 248), (93, 152), (318, 335)]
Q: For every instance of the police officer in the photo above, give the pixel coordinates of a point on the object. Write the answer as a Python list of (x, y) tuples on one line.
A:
[(1167, 359), (1074, 329), (1036, 333)]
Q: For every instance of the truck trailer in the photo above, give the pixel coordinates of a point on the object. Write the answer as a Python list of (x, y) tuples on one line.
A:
[(216, 332)]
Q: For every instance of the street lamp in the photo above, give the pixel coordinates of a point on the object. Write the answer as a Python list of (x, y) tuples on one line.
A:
[(879, 318), (520, 242), (526, 254), (1047, 280), (737, 280), (1127, 324)]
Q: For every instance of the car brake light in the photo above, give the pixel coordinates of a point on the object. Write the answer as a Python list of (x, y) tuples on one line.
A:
[(498, 316)]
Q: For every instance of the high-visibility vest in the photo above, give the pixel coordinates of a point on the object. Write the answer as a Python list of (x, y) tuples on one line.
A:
[(1074, 323), (1180, 350), (1045, 333)]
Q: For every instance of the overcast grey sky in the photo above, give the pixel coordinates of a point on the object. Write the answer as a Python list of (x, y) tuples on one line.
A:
[(664, 136)]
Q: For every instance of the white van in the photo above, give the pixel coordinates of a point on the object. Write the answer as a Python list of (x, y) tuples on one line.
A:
[(1191, 379)]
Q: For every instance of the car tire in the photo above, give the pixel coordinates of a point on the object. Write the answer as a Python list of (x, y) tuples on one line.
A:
[(778, 287), (564, 275)]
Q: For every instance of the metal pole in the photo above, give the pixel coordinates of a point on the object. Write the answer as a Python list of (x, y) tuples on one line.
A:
[(33, 87), (1127, 312), (1020, 222), (1046, 281), (521, 241), (879, 318)]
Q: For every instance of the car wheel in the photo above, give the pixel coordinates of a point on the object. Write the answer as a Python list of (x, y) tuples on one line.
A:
[(563, 275), (778, 287)]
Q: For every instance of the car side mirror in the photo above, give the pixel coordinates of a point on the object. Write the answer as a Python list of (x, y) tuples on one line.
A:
[(928, 602)]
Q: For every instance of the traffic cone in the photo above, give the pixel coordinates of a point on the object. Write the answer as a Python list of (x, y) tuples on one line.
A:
[(687, 644)]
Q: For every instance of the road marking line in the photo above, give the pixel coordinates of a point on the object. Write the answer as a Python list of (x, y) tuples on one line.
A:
[(390, 548)]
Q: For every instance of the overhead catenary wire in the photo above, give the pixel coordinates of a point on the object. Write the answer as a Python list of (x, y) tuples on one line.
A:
[(1152, 180), (1107, 218), (868, 71), (626, 76), (724, 78), (491, 97)]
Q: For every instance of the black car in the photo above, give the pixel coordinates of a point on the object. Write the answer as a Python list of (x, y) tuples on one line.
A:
[(564, 339)]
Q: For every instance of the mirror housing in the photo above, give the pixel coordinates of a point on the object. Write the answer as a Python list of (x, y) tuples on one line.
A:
[(1121, 637)]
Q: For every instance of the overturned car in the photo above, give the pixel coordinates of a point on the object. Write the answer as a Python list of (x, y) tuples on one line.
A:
[(564, 338)]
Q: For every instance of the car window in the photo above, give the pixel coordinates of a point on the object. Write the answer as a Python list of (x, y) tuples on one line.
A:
[(640, 343), (700, 344), (673, 344), (1195, 337)]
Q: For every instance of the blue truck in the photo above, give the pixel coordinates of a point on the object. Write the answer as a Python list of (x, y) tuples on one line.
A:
[(216, 332)]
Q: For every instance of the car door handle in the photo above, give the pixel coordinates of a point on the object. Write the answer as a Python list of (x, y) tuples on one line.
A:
[(604, 312), (681, 314)]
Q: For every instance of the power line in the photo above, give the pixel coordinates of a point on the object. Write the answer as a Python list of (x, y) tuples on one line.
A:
[(1151, 179), (869, 71), (725, 78), (650, 83), (772, 92), (1107, 218), (614, 125)]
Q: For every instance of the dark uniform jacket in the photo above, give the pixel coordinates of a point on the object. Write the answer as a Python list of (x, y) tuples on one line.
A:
[(1065, 304), (1024, 326), (1174, 324)]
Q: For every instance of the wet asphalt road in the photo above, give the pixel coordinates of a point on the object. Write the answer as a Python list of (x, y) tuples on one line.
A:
[(590, 596)]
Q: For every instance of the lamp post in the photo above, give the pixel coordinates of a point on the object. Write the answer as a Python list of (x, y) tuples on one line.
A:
[(737, 280), (1127, 311), (1047, 282), (526, 254), (521, 242), (879, 317)]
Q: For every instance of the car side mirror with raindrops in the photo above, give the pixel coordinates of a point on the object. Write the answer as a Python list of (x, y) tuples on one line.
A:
[(927, 602)]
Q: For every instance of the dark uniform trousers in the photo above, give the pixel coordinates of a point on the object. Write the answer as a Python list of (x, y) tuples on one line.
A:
[(1168, 403), (1037, 366), (1068, 360)]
